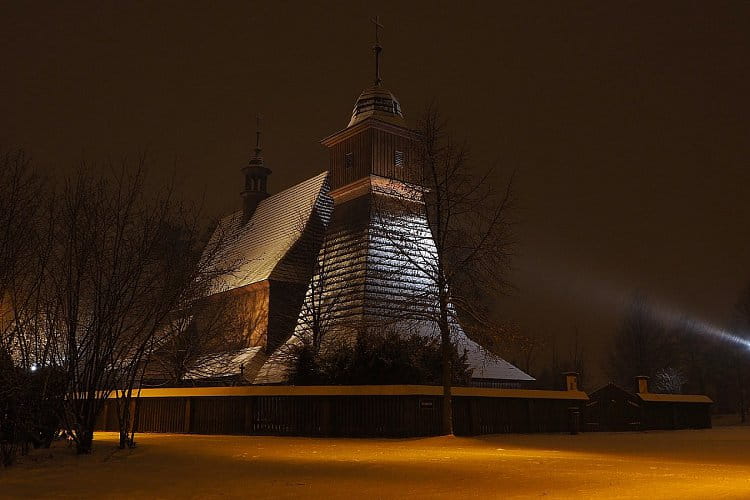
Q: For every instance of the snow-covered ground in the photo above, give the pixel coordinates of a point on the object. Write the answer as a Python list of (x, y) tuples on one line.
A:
[(712, 463)]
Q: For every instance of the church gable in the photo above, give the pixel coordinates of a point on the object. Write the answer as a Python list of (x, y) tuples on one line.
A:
[(258, 250)]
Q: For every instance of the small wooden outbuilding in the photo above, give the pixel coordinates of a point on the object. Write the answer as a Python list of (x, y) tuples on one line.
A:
[(676, 411), (612, 408)]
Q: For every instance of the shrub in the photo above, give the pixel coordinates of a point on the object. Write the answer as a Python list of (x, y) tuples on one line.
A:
[(30, 406), (378, 358)]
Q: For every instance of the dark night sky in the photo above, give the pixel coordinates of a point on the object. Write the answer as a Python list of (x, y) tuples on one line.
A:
[(627, 122)]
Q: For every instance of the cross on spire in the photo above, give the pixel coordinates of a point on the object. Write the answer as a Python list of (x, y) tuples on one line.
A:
[(377, 48), (257, 134)]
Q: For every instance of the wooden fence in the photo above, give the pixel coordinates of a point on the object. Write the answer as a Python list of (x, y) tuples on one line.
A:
[(388, 411)]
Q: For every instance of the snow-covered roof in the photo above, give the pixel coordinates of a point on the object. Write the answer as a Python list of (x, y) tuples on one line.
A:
[(226, 364), (256, 248), (486, 365), (278, 367), (673, 398)]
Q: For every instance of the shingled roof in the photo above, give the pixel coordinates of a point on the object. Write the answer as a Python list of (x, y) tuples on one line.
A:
[(255, 250)]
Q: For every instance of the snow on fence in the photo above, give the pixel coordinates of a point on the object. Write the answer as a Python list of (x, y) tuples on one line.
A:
[(403, 410)]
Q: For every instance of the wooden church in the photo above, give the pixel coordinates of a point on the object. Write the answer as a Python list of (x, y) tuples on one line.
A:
[(321, 250)]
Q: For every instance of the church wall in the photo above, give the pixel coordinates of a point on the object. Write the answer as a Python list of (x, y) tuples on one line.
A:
[(249, 306), (284, 308)]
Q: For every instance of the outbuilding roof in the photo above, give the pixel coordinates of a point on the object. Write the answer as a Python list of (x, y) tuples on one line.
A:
[(673, 398)]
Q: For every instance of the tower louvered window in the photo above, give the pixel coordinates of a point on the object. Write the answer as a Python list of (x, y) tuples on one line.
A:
[(399, 159)]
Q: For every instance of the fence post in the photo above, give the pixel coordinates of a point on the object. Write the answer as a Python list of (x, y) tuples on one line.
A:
[(474, 416), (188, 413), (325, 416), (131, 422), (574, 419), (105, 415), (530, 420), (249, 414)]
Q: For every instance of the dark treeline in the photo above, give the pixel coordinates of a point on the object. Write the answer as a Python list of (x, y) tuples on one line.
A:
[(683, 355), (679, 355)]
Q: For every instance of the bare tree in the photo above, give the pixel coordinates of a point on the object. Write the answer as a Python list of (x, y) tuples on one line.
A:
[(201, 332), (669, 380), (452, 233), (577, 357), (738, 358), (320, 319), (120, 260), (28, 392), (207, 321), (641, 345), (524, 350), (742, 311), (21, 196)]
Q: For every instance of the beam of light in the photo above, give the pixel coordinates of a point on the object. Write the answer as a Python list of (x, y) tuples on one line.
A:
[(594, 291), (702, 327), (690, 323)]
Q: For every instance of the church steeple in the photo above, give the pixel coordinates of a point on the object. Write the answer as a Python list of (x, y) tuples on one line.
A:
[(256, 178), (377, 101), (377, 140)]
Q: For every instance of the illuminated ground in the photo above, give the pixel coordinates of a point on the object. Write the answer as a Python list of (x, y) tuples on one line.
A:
[(679, 464)]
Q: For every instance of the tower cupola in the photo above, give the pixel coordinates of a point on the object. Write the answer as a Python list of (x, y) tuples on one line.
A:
[(377, 102)]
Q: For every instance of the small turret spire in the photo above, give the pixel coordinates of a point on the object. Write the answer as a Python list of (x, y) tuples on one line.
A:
[(377, 49), (256, 177)]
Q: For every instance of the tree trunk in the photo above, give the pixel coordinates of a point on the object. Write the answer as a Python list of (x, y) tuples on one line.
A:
[(84, 442), (445, 344), (128, 416), (447, 398)]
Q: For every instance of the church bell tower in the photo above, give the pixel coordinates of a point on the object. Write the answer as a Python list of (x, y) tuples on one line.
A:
[(374, 154), (256, 180), (376, 142)]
